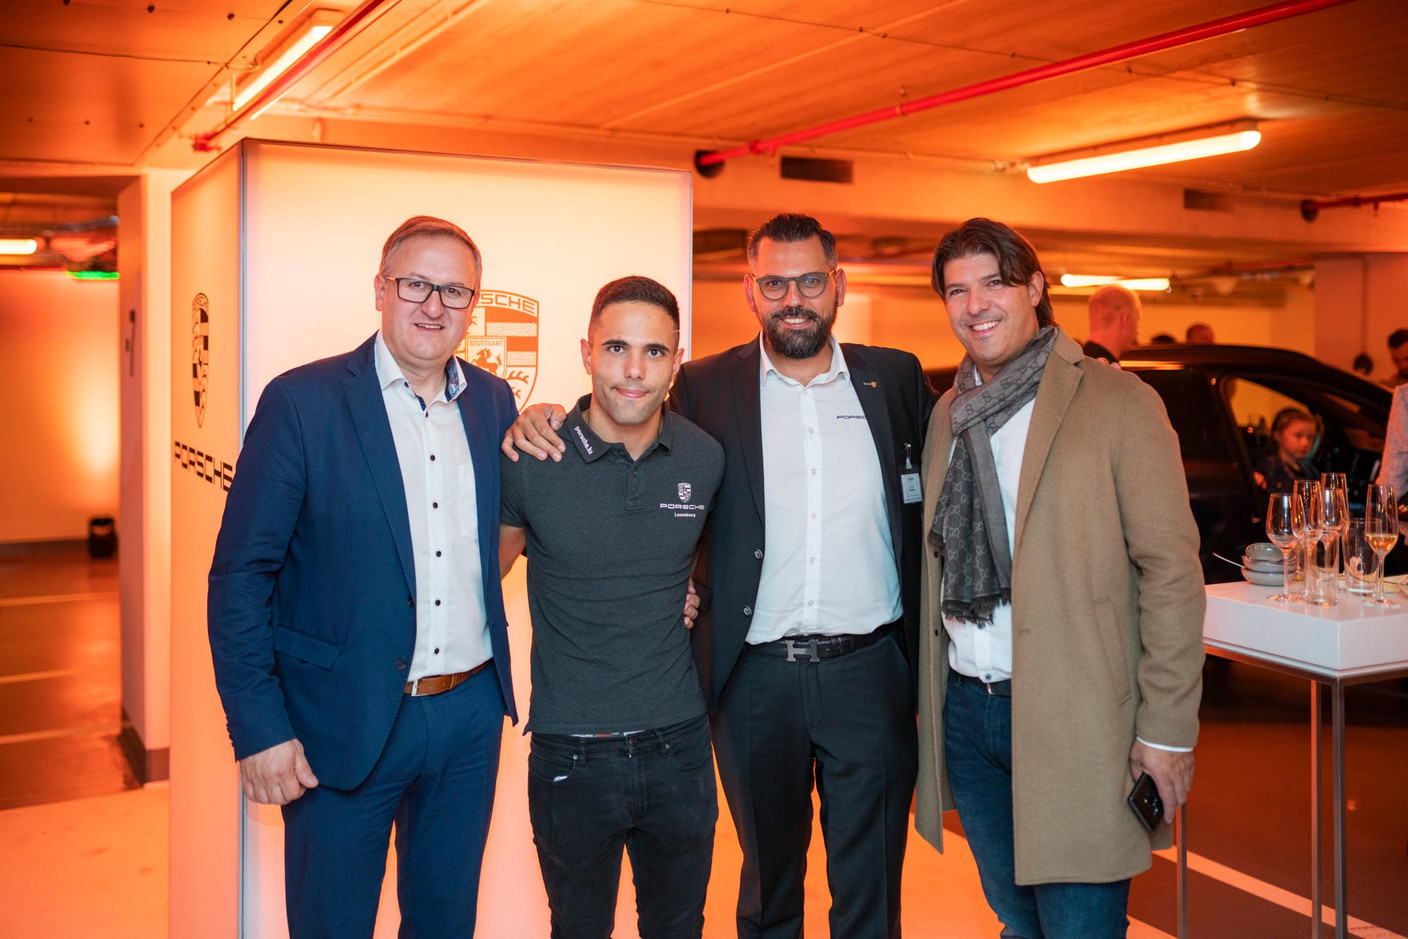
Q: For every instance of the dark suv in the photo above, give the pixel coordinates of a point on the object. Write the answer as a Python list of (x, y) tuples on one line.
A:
[(1221, 401)]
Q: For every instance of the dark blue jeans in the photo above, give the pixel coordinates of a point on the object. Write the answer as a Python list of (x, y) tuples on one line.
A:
[(978, 754), (653, 794)]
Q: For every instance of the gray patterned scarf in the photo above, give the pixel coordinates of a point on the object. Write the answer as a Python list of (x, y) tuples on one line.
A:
[(969, 525)]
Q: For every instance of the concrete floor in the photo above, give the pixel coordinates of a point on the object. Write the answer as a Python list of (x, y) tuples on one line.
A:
[(84, 848)]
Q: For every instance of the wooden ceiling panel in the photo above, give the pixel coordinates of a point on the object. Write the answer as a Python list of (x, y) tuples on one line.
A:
[(176, 29), (92, 109), (571, 63)]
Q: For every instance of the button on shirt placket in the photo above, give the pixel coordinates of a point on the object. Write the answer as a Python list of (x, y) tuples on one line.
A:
[(812, 457), (451, 632), (432, 608)]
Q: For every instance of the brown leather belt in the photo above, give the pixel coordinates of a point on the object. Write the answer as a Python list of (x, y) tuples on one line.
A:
[(438, 684)]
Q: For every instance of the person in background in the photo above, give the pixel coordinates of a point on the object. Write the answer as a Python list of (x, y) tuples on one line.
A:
[(1363, 365), (1293, 433), (1393, 470), (1199, 334), (620, 752), (1114, 323), (1398, 352), (1163, 339), (356, 619), (1061, 649)]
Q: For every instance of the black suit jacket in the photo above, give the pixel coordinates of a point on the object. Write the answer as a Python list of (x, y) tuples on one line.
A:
[(720, 394)]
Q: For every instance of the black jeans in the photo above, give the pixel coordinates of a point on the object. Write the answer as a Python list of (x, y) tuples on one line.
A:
[(653, 794)]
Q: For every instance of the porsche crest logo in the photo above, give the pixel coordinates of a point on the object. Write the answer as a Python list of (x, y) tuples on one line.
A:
[(502, 339), (200, 353)]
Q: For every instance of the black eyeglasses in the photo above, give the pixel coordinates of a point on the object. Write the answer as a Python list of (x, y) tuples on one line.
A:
[(810, 285), (415, 290)]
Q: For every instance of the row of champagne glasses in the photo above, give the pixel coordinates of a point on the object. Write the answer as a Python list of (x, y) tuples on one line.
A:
[(1312, 520)]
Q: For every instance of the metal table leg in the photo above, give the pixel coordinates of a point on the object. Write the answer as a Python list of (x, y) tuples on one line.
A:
[(1182, 835), (1341, 861), (1315, 900)]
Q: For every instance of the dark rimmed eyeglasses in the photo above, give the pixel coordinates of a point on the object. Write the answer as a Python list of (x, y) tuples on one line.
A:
[(415, 290), (810, 285)]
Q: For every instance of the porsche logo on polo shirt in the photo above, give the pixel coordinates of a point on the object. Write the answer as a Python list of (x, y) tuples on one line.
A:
[(200, 353), (684, 508), (502, 339)]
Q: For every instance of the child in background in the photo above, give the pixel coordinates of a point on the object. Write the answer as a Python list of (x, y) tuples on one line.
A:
[(1294, 433)]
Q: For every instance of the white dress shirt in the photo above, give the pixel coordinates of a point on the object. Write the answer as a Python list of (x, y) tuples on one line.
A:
[(986, 653), (828, 561), (452, 628)]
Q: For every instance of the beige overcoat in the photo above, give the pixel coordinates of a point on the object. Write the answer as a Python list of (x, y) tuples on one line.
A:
[(1107, 617)]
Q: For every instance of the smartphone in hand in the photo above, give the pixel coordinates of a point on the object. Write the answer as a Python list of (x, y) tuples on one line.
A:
[(1144, 801)]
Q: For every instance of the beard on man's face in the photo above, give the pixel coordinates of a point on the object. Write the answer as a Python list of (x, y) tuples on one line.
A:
[(793, 343)]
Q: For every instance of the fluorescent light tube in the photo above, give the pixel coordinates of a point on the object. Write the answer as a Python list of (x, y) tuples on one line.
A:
[(291, 54), (1233, 142), (18, 246), (1150, 284)]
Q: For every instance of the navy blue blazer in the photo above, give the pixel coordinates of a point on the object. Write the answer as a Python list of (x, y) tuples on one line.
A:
[(311, 609)]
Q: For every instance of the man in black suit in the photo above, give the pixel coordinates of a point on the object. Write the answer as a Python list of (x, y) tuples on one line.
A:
[(808, 576)]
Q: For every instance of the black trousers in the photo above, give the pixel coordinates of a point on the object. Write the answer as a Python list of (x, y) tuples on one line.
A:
[(848, 725), (651, 793)]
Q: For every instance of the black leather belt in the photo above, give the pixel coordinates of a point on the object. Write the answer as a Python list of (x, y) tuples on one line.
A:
[(1003, 689), (816, 648)]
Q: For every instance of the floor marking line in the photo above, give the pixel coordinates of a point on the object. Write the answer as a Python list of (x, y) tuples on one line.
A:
[(56, 598), (36, 676), (1271, 893), (56, 734)]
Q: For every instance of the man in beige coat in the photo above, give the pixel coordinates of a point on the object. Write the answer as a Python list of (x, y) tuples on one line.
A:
[(1061, 640)]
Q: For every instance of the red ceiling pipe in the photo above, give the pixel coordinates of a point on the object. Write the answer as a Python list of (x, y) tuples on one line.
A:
[(1130, 50), (315, 56), (1310, 208)]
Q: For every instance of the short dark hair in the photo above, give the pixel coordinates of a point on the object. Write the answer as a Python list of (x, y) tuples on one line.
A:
[(636, 289), (1397, 338), (1017, 262), (789, 228), (418, 225)]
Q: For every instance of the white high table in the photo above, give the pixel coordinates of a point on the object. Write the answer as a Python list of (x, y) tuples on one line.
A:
[(1348, 644)]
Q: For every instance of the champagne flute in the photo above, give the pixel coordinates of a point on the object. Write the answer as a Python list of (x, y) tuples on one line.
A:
[(1337, 481), (1333, 520), (1381, 531), (1307, 493), (1284, 514)]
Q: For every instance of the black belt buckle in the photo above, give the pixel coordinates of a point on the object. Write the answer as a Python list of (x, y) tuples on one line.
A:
[(793, 647)]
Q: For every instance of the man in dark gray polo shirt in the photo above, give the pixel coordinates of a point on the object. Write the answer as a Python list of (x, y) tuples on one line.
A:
[(620, 754)]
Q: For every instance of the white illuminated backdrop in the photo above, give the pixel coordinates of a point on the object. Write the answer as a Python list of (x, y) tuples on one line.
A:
[(303, 227)]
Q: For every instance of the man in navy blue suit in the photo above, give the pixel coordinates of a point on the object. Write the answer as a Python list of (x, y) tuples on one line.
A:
[(356, 620)]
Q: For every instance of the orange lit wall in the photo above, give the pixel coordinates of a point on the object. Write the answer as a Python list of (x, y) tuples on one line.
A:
[(58, 439)]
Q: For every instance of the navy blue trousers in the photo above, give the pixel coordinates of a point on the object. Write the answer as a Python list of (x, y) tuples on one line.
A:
[(435, 782)]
